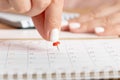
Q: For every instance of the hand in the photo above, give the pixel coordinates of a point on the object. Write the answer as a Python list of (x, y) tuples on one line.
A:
[(46, 14), (81, 4), (103, 21)]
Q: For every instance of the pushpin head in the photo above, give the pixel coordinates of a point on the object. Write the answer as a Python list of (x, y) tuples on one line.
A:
[(56, 43)]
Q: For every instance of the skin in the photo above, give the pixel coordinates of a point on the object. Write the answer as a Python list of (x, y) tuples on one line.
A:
[(106, 16), (46, 14)]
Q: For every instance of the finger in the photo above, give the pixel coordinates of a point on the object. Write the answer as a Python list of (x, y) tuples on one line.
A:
[(4, 5), (39, 24), (38, 6), (65, 28), (113, 19), (53, 15), (75, 27), (113, 30), (98, 29), (87, 27), (64, 25), (21, 6), (101, 12), (83, 28), (109, 20)]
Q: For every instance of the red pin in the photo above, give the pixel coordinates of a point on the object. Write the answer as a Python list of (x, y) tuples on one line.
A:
[(56, 43)]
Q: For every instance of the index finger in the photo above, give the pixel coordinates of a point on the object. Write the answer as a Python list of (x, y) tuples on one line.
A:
[(53, 15)]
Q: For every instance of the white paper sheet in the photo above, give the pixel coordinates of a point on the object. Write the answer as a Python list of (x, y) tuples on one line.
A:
[(74, 55)]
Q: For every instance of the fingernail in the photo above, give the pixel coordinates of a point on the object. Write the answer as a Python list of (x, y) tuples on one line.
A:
[(99, 29), (64, 23), (54, 35), (74, 25)]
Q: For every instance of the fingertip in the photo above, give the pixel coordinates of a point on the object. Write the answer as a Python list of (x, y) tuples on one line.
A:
[(54, 35), (74, 25), (99, 30), (53, 18)]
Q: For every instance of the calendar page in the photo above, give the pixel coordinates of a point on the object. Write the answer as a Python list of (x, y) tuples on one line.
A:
[(39, 56)]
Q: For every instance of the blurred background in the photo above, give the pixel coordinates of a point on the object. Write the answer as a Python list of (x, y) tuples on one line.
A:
[(72, 6), (84, 4)]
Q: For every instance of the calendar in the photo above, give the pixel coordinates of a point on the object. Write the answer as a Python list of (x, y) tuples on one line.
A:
[(75, 59)]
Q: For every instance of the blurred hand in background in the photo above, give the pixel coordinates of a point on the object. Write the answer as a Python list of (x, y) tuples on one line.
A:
[(103, 20)]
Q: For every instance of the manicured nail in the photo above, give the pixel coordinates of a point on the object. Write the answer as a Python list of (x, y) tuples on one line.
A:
[(74, 25), (64, 23), (99, 29), (54, 35)]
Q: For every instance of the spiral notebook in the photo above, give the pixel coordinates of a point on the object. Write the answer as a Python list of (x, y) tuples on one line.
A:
[(76, 59)]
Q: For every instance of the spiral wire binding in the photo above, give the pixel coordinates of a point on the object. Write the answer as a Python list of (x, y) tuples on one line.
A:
[(64, 76)]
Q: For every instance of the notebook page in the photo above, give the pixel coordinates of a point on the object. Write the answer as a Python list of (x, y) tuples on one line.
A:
[(75, 56)]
